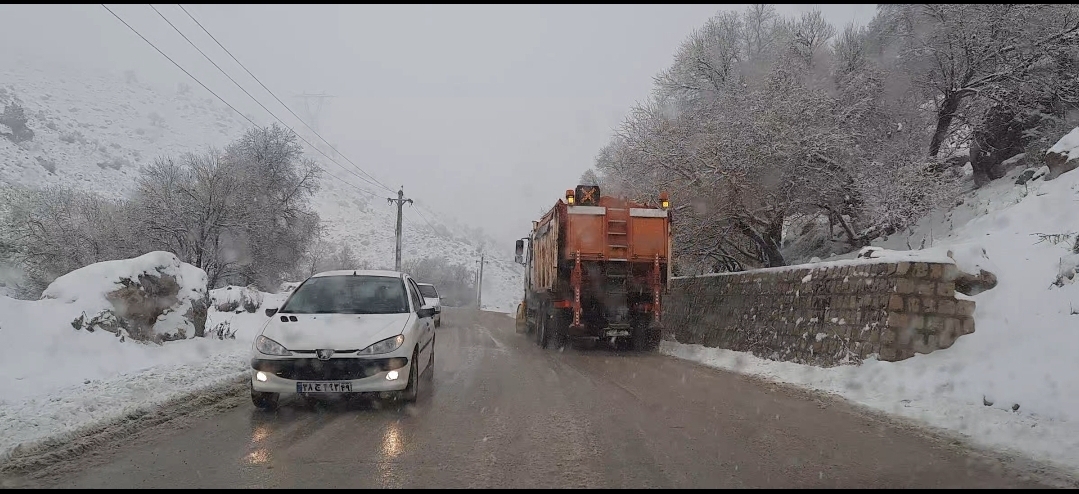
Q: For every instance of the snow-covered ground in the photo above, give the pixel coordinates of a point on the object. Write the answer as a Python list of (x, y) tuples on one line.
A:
[(93, 130), (1014, 383), (55, 380)]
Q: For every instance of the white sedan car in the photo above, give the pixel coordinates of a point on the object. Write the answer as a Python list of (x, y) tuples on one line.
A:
[(430, 297), (343, 332)]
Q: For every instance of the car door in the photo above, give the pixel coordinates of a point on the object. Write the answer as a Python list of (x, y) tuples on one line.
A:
[(426, 326)]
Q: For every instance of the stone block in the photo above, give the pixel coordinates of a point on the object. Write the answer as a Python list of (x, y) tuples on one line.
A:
[(914, 305), (936, 271), (946, 307), (946, 289), (898, 320), (925, 288), (895, 302), (968, 325), (926, 345), (904, 286), (901, 269), (934, 324), (929, 305), (888, 354), (964, 308), (919, 270)]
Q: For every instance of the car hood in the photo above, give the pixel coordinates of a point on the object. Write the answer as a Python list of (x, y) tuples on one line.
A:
[(334, 331)]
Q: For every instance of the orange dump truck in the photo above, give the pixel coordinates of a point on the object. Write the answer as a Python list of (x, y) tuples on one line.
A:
[(596, 269)]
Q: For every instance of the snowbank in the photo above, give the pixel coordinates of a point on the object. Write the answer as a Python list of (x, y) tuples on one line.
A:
[(87, 289), (55, 380), (1024, 353)]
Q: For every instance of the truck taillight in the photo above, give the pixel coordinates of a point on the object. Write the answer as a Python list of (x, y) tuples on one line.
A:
[(664, 200), (569, 196)]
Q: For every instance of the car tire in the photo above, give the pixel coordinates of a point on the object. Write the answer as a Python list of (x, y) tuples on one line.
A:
[(265, 401), (411, 391)]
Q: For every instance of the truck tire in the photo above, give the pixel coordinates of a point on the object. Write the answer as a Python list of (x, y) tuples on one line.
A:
[(645, 339), (542, 336)]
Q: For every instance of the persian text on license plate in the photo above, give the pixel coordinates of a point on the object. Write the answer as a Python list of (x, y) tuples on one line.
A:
[(329, 387), (617, 333)]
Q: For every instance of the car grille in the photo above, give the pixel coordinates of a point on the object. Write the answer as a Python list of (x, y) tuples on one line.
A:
[(310, 369)]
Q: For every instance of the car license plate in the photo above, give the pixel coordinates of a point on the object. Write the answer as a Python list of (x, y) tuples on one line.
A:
[(324, 387), (616, 332)]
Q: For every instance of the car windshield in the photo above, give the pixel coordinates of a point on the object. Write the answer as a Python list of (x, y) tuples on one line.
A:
[(428, 291), (349, 294)]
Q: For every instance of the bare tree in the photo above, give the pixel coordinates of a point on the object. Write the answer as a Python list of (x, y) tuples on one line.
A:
[(961, 51)]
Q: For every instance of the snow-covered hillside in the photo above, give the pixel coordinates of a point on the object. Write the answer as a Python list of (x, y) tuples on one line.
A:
[(92, 131)]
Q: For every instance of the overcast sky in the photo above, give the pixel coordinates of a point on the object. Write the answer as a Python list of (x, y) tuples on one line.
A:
[(487, 113)]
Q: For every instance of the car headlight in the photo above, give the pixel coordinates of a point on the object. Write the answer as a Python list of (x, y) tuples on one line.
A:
[(270, 347), (385, 346)]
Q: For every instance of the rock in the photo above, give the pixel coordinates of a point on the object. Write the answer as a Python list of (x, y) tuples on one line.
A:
[(969, 284), (1026, 176), (153, 298), (140, 303), (1063, 157)]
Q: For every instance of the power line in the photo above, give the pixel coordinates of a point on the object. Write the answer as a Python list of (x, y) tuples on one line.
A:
[(208, 89), (278, 99), (207, 57), (433, 229), (178, 66)]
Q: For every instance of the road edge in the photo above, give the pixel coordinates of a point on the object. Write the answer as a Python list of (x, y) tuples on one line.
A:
[(31, 456), (1047, 472)]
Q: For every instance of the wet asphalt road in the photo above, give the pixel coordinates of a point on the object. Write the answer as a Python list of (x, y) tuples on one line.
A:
[(500, 412)]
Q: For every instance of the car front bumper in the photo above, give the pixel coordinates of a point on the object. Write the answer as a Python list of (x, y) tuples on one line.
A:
[(366, 375)]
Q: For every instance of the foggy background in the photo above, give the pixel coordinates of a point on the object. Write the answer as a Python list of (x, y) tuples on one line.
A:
[(485, 113)]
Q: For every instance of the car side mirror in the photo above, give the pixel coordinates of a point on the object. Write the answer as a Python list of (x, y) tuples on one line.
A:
[(426, 311), (270, 311), (519, 252)]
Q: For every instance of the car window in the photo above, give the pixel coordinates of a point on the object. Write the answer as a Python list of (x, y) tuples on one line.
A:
[(348, 294), (428, 291), (416, 300)]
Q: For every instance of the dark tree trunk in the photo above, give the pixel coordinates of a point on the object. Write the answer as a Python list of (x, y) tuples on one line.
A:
[(944, 121)]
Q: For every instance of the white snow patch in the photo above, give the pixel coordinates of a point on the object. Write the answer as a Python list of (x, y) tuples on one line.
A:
[(54, 379), (1067, 145)]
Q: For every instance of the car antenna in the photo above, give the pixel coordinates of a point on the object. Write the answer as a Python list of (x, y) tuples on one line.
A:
[(354, 272)]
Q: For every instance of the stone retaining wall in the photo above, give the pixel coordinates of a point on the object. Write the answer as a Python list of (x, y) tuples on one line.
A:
[(840, 313)]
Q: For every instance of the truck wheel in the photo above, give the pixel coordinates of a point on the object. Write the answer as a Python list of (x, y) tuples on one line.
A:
[(640, 338), (541, 331)]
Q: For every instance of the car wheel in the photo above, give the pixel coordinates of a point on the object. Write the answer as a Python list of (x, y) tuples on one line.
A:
[(265, 401), (411, 392)]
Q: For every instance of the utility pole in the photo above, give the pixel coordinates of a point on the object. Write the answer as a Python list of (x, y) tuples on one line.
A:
[(479, 286), (400, 201)]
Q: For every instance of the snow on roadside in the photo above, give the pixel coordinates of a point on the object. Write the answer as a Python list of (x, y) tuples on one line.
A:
[(55, 380), (1023, 351)]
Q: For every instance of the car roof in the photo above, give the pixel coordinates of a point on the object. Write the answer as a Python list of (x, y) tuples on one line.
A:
[(360, 272)]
